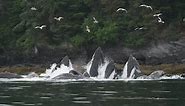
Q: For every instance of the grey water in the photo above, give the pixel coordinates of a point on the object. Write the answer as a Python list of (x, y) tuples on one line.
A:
[(93, 93)]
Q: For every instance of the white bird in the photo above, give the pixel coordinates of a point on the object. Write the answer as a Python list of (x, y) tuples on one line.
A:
[(121, 9), (58, 18), (140, 28), (40, 27), (33, 8), (183, 19), (87, 29), (157, 15), (160, 20), (95, 21), (143, 5), (35, 50)]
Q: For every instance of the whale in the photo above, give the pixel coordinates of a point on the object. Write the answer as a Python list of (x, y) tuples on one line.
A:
[(9, 75), (68, 76), (110, 71), (100, 66), (64, 70), (131, 69), (96, 61), (65, 61), (71, 75)]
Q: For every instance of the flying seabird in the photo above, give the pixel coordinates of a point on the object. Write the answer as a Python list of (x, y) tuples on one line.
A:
[(58, 18), (35, 50), (183, 19), (160, 20), (143, 5), (33, 8), (95, 21), (121, 9), (87, 29), (157, 15), (40, 27), (140, 28)]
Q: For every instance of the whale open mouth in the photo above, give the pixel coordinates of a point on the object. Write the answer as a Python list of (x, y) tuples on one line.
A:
[(100, 68)]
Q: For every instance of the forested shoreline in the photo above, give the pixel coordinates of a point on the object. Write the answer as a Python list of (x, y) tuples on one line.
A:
[(85, 25)]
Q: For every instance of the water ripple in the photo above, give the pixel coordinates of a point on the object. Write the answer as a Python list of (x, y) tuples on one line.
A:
[(80, 98), (82, 102)]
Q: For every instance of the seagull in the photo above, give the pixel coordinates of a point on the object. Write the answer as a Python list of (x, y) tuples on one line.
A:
[(160, 20), (87, 29), (95, 21), (35, 50), (121, 9), (183, 19), (143, 5), (33, 8), (140, 28), (40, 27), (58, 18), (157, 15)]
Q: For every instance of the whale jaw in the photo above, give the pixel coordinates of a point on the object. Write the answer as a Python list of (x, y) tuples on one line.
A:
[(131, 69)]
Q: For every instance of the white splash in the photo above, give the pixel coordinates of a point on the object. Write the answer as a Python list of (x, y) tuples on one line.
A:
[(172, 77), (61, 70), (53, 71), (88, 66), (132, 75), (124, 75), (112, 75), (102, 69), (49, 71)]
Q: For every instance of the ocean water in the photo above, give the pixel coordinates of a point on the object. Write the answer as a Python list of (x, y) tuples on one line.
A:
[(93, 93)]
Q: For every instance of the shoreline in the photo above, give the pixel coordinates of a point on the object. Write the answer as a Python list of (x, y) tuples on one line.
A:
[(146, 69)]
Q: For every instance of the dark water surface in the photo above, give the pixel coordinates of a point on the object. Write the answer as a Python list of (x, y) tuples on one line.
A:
[(93, 93)]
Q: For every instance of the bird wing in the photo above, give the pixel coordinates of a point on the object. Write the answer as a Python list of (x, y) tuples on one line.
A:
[(150, 7), (37, 27), (60, 18), (43, 26)]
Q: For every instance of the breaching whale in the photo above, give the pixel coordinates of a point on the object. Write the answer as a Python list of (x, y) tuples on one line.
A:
[(62, 70), (131, 69), (99, 66)]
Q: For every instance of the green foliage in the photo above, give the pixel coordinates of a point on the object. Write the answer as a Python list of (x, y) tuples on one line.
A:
[(18, 21), (25, 42), (134, 41), (107, 35), (78, 40)]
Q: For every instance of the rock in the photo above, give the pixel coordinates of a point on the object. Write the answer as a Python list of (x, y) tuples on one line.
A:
[(153, 54), (9, 75), (32, 75), (156, 74)]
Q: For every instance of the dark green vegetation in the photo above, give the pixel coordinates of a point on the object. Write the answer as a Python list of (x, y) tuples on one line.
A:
[(18, 35)]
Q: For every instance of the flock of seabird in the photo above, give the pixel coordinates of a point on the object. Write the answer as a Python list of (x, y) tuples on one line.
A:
[(145, 6), (44, 26), (96, 21)]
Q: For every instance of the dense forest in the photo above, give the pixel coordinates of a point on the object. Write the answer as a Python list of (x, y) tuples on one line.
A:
[(87, 24)]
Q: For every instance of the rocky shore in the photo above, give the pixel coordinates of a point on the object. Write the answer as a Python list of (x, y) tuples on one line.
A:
[(166, 56), (147, 69)]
